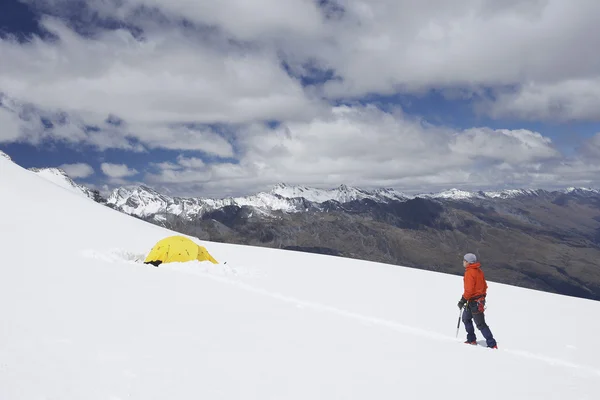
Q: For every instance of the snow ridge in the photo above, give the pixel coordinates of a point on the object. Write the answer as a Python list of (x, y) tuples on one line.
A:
[(143, 201), (581, 190), (4, 155), (512, 193), (341, 194), (453, 194), (60, 178)]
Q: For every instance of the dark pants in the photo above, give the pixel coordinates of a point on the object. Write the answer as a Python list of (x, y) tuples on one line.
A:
[(470, 313)]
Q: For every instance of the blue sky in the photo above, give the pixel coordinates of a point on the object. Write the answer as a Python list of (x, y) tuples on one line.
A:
[(196, 100)]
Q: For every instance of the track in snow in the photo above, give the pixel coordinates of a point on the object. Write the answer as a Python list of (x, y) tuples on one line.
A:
[(230, 275)]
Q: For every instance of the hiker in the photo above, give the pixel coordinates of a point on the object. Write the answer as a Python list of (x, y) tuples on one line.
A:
[(473, 301)]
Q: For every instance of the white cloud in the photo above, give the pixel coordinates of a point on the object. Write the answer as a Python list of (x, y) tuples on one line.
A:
[(383, 45), (167, 78), (362, 140), (79, 170), (510, 146), (591, 147), (366, 147), (10, 126), (245, 20), (182, 138), (24, 122), (165, 166), (380, 46), (227, 72), (179, 179), (154, 85), (190, 162), (117, 170), (577, 172), (566, 100), (240, 19)]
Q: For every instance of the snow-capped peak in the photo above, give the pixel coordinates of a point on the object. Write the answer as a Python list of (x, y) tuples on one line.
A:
[(341, 194), (140, 200), (55, 172), (582, 190), (391, 194), (120, 195), (144, 201), (291, 192), (280, 186), (511, 193), (453, 194), (349, 193)]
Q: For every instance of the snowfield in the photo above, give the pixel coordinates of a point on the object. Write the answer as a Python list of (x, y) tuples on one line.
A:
[(81, 317)]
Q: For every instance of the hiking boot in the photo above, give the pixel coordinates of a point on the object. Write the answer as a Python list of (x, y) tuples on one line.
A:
[(473, 342), (493, 347)]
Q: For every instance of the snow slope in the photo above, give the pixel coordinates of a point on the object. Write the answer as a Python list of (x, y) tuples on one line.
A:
[(4, 155), (60, 178), (82, 318)]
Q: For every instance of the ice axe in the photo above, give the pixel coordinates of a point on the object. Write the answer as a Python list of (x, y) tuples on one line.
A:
[(458, 324)]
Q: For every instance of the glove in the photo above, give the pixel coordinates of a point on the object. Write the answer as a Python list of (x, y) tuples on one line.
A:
[(462, 302)]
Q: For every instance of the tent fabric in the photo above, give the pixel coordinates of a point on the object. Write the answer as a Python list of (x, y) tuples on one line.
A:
[(177, 249), (204, 255)]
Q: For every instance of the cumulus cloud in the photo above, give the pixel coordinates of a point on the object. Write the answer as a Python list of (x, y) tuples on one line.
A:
[(208, 86), (167, 78), (117, 170), (380, 46), (510, 146), (190, 162), (182, 138), (78, 170), (251, 20), (367, 140), (228, 69), (33, 125), (568, 100), (165, 166), (591, 147), (9, 126), (367, 147), (155, 85), (30, 124)]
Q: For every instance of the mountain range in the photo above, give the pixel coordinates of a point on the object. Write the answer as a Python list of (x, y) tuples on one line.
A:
[(145, 202), (533, 238)]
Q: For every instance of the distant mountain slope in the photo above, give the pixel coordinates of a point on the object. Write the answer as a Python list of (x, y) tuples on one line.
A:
[(143, 201)]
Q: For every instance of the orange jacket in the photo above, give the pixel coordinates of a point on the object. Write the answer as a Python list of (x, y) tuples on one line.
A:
[(475, 284)]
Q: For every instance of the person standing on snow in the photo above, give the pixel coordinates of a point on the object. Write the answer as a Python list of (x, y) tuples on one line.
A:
[(473, 301)]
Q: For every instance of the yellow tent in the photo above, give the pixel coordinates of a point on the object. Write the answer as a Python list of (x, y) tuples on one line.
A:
[(177, 249)]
